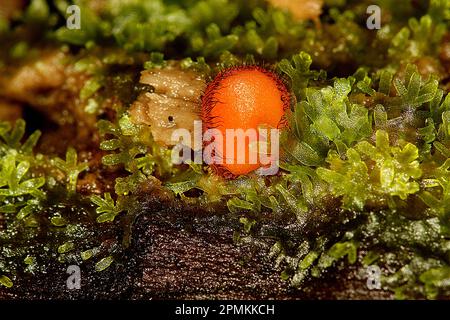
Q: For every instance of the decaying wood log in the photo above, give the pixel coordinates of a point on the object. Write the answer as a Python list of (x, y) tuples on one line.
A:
[(180, 253)]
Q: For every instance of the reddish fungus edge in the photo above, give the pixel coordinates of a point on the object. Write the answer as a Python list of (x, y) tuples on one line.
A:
[(209, 102)]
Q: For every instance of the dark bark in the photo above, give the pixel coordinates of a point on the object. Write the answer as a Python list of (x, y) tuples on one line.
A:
[(182, 254)]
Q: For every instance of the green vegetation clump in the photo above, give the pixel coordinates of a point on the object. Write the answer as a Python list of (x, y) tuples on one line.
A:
[(43, 218)]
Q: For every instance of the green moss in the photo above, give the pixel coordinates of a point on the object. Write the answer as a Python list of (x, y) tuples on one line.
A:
[(37, 11), (71, 168), (66, 247), (300, 73), (349, 179), (435, 279), (6, 282), (20, 191), (34, 206), (106, 208), (104, 263)]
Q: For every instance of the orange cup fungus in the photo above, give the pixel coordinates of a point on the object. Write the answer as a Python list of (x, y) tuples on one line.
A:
[(243, 97)]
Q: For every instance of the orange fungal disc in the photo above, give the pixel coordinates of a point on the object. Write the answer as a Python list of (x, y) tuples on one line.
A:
[(243, 97)]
